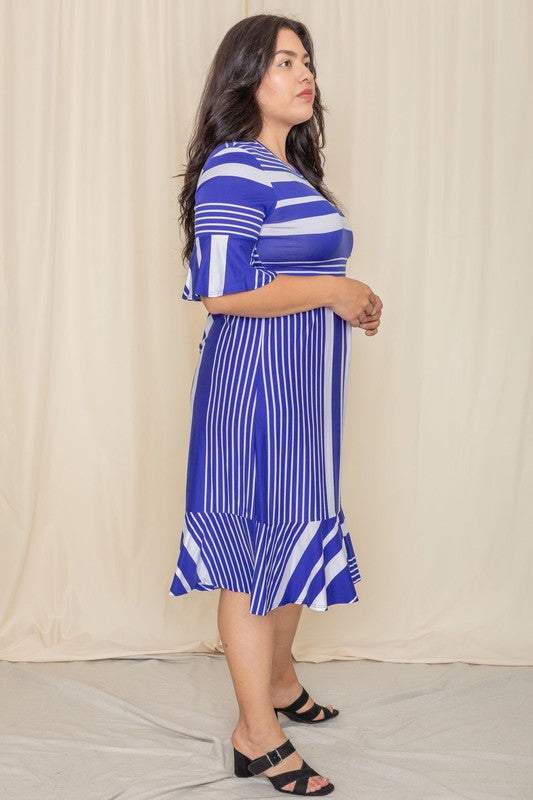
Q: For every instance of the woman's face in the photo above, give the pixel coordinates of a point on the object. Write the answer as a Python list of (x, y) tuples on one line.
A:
[(287, 76)]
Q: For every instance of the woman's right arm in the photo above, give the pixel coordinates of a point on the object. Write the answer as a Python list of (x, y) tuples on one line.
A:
[(289, 294)]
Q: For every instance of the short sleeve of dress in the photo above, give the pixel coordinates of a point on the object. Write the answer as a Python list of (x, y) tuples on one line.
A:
[(233, 197)]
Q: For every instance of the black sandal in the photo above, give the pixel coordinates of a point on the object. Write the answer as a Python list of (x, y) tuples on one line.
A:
[(246, 767), (306, 716)]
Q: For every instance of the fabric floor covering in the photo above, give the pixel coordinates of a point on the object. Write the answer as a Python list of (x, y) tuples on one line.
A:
[(160, 727)]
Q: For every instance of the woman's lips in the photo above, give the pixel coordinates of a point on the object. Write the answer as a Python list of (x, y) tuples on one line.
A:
[(305, 95)]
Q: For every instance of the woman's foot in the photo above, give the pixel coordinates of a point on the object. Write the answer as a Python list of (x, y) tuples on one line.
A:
[(259, 744), (284, 693)]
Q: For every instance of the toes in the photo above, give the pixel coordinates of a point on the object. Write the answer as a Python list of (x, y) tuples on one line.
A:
[(313, 784)]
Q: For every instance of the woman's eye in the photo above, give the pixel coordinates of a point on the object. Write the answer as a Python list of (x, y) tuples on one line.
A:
[(307, 63)]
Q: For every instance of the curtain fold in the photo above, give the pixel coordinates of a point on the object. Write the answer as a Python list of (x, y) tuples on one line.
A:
[(428, 146)]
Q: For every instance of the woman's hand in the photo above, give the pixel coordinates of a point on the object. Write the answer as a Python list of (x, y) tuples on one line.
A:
[(371, 323), (356, 302)]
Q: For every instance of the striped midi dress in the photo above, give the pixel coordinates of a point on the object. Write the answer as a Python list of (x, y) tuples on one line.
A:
[(263, 511)]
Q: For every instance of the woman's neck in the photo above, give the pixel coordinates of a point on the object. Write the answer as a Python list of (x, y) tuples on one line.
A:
[(275, 142)]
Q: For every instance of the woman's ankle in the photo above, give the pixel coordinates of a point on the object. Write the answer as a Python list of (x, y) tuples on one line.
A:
[(255, 733), (287, 678)]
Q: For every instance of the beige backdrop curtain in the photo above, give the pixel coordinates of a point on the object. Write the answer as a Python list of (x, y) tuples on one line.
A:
[(429, 137)]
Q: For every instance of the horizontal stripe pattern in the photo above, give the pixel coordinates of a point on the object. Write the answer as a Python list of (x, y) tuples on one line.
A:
[(263, 504), (227, 218)]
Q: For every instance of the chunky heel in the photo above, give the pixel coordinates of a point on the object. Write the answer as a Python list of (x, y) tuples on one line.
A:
[(241, 762)]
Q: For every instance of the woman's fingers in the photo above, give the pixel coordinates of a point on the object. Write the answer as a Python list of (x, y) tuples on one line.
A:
[(370, 322)]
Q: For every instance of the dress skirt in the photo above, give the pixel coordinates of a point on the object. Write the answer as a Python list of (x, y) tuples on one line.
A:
[(263, 480)]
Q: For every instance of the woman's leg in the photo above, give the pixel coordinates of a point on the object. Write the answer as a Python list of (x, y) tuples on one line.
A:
[(248, 641), (284, 684)]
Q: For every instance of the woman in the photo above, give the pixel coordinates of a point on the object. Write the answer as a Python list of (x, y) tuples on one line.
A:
[(267, 249)]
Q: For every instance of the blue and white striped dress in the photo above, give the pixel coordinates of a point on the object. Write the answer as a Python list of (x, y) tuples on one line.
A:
[(263, 509)]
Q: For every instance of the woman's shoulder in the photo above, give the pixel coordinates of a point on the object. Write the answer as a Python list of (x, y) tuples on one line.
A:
[(238, 151), (234, 159), (237, 145)]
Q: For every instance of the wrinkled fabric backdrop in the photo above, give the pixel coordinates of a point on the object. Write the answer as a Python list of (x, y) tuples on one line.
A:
[(429, 132)]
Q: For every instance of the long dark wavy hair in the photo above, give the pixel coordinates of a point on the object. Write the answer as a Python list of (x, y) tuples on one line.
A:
[(228, 109)]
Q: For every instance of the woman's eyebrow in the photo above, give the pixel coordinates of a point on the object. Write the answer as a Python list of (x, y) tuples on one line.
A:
[(291, 53)]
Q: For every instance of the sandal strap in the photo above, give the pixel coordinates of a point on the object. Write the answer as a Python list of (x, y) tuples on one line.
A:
[(271, 758), (300, 701), (301, 776), (312, 712)]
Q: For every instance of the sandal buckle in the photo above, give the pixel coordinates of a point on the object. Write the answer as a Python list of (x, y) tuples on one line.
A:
[(276, 756)]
